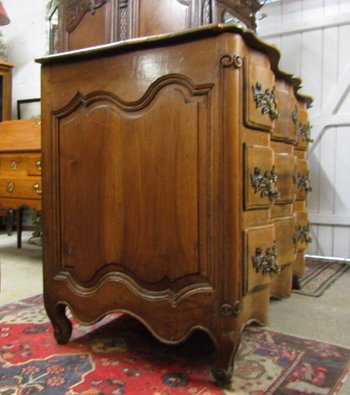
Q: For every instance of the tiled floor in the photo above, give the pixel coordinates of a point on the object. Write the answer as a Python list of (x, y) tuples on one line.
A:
[(326, 318)]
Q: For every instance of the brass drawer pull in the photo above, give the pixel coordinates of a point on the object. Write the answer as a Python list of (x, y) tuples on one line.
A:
[(301, 235), (13, 165), (302, 130), (303, 181), (266, 263), (10, 186), (38, 164), (266, 100), (37, 189), (264, 183), (305, 132)]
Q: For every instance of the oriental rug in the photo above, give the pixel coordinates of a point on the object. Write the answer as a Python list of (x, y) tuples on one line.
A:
[(319, 275), (118, 356)]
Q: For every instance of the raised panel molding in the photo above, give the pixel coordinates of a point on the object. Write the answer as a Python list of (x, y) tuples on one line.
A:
[(191, 273)]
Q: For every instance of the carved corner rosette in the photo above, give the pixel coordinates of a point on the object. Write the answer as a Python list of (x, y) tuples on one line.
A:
[(266, 100), (232, 60), (301, 235), (229, 310), (266, 263), (265, 183)]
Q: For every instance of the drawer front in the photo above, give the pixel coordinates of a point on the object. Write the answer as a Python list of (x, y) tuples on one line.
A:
[(285, 128), (20, 188), (302, 179), (286, 181), (260, 177), (285, 229), (260, 98), (13, 164), (302, 234), (20, 164), (261, 257)]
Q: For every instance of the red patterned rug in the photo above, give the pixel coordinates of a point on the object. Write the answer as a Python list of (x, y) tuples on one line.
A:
[(120, 357), (319, 275)]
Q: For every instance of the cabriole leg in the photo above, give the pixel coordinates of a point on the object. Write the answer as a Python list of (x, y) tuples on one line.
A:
[(61, 324), (222, 368)]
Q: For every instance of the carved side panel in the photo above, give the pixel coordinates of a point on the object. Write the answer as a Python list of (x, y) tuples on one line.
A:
[(133, 189)]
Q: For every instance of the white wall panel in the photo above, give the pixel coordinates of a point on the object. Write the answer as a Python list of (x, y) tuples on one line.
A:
[(313, 9), (291, 10), (341, 182), (344, 48), (26, 38), (323, 189), (330, 55), (314, 39), (312, 65), (324, 241), (341, 242), (291, 45)]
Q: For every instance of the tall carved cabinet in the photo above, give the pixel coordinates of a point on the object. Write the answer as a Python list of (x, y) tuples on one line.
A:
[(171, 166), (85, 23)]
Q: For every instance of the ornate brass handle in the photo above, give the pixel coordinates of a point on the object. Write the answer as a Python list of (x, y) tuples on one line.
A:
[(303, 181), (13, 165), (266, 263), (263, 183), (305, 132), (266, 100), (302, 130), (10, 186), (301, 234), (37, 189), (38, 164)]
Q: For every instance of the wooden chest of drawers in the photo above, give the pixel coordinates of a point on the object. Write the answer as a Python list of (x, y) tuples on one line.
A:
[(181, 165), (20, 164)]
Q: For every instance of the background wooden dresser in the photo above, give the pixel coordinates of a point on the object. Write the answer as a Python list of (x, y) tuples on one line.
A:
[(169, 184), (20, 166)]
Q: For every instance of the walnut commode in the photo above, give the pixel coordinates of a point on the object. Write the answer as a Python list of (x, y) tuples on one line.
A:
[(171, 167)]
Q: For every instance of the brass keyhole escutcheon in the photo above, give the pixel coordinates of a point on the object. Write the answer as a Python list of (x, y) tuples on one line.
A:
[(10, 186), (14, 165)]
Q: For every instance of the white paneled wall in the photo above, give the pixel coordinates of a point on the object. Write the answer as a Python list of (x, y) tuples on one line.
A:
[(26, 39), (314, 39)]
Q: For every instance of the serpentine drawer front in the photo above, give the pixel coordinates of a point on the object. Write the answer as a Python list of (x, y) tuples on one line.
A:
[(261, 257)]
